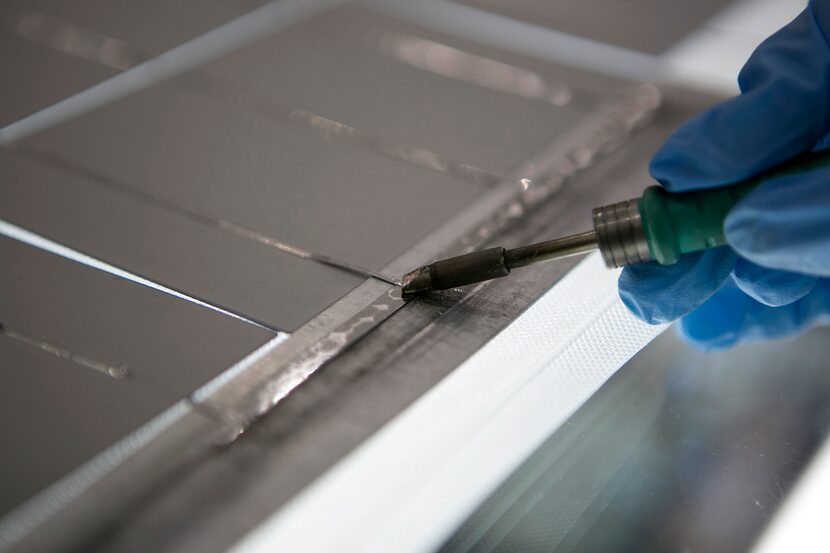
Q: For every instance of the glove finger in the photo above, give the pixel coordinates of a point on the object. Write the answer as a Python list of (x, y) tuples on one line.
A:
[(781, 112), (785, 224), (771, 286), (730, 317), (661, 293)]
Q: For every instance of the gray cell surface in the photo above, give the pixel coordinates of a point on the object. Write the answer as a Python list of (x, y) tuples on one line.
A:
[(257, 139), (413, 86), (650, 26), (50, 49), (56, 415), (280, 180), (86, 357), (152, 26), (237, 274), (35, 76), (246, 145), (169, 343)]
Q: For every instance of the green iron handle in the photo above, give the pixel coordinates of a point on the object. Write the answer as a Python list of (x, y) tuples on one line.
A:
[(674, 224)]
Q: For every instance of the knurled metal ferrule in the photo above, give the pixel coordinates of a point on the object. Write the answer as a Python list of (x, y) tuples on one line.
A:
[(620, 235)]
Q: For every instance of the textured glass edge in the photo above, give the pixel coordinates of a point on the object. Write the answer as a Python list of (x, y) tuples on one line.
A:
[(418, 478)]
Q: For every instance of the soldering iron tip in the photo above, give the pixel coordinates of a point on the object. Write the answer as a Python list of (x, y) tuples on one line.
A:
[(419, 280)]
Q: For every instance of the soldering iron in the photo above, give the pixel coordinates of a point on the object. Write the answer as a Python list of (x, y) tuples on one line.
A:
[(659, 226)]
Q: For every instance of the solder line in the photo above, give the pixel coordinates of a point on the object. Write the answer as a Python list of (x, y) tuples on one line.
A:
[(328, 129), (450, 62), (118, 373), (195, 215)]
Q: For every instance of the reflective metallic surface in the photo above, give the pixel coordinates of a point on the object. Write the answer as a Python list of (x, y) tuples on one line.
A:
[(619, 229), (483, 265)]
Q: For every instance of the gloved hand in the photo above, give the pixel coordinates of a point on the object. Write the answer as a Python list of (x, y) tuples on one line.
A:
[(771, 280)]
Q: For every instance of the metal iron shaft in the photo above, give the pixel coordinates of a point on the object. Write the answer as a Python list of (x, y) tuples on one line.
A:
[(618, 233), (493, 263), (552, 249)]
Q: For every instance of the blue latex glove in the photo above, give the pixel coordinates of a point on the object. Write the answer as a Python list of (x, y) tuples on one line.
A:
[(771, 279)]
